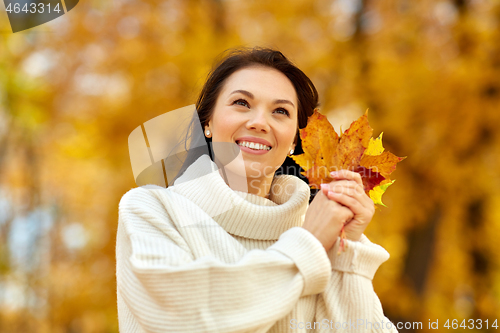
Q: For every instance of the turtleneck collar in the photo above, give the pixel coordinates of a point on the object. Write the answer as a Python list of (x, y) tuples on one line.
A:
[(244, 214)]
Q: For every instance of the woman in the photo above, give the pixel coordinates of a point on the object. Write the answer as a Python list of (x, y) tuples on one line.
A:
[(233, 247)]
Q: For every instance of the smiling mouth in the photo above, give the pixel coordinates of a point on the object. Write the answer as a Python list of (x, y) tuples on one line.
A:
[(253, 145)]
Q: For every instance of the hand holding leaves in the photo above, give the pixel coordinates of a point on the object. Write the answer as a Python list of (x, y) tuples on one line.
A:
[(348, 190)]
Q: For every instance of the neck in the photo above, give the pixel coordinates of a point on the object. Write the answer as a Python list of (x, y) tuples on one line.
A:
[(258, 186)]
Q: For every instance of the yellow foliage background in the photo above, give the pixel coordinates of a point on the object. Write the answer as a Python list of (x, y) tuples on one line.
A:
[(72, 90)]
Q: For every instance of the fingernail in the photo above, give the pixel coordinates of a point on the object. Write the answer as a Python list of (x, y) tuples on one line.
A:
[(323, 186), (334, 173)]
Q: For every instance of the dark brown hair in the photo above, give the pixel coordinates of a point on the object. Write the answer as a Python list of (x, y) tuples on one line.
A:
[(239, 58)]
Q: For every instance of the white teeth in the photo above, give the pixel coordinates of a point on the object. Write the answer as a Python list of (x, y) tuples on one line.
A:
[(254, 145)]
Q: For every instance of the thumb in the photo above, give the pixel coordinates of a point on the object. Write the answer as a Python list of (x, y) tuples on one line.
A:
[(325, 188)]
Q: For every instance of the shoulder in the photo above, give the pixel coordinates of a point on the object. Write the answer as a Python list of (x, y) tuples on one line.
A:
[(145, 198), (137, 195), (148, 210)]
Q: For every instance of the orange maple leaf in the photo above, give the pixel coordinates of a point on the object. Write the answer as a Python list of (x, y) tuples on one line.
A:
[(355, 150), (325, 151)]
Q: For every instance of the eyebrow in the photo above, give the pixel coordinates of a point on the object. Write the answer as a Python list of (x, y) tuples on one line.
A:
[(249, 94)]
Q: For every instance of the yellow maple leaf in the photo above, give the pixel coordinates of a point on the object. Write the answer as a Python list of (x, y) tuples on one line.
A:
[(376, 193)]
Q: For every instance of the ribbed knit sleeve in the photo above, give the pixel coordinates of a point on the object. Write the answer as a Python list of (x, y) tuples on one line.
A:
[(349, 301), (308, 254), (163, 286), (363, 257)]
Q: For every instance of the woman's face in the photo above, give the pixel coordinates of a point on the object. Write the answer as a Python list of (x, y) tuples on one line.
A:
[(257, 110)]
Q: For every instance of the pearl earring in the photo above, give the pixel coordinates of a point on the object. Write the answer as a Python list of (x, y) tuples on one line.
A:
[(291, 151), (207, 132)]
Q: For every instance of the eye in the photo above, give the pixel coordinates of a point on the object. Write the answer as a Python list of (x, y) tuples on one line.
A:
[(241, 102), (283, 111)]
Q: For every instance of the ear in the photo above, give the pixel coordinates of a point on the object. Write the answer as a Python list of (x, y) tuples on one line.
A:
[(207, 127), (293, 144)]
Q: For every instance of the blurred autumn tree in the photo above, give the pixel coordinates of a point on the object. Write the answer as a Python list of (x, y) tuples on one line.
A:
[(71, 91)]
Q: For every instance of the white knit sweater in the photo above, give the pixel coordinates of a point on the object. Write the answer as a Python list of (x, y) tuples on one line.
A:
[(200, 257)]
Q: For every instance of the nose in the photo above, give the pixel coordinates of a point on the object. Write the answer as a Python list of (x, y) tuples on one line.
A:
[(258, 121)]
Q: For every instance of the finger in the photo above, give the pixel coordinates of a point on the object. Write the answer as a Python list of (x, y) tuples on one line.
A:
[(353, 189), (358, 194), (353, 204), (347, 174), (345, 190), (345, 182), (348, 186), (337, 185), (325, 188), (342, 183), (343, 211)]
